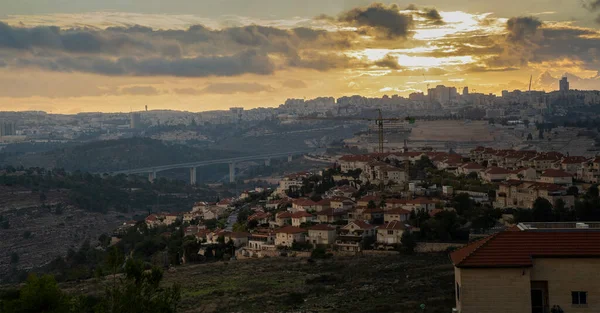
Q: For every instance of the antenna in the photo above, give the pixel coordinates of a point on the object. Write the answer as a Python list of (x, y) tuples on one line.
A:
[(530, 79)]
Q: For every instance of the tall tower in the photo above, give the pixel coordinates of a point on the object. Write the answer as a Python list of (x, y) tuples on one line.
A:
[(563, 84), (465, 91)]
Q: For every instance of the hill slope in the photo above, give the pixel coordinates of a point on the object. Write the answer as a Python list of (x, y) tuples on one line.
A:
[(113, 155)]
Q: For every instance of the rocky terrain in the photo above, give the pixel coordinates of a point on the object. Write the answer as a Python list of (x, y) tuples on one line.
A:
[(35, 230), (371, 283)]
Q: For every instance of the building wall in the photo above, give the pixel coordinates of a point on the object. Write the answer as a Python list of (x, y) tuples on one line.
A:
[(494, 290), (322, 237), (566, 275)]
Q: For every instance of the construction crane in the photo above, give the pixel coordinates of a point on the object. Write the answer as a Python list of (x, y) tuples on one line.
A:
[(379, 121)]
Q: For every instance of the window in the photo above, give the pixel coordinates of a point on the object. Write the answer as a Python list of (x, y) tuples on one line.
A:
[(457, 292), (390, 232), (579, 297)]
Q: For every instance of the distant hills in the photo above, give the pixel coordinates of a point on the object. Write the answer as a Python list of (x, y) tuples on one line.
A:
[(113, 155)]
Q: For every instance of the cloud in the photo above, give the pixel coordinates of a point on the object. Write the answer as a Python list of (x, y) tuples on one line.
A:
[(379, 20), (187, 91), (593, 7), (432, 15), (140, 91), (233, 88), (245, 62), (389, 61), (522, 29), (293, 84)]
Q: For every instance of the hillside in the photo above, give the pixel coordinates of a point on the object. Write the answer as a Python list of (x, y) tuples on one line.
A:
[(112, 155), (371, 283)]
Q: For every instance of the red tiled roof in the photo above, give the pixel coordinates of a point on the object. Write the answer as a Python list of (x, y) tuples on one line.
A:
[(397, 211), (394, 225), (304, 202), (434, 212), (517, 249), (497, 171), (332, 212), (151, 218), (324, 202), (556, 173), (259, 216), (395, 201), (370, 198), (362, 224), (472, 166), (322, 227), (301, 214), (239, 235), (284, 215), (290, 230)]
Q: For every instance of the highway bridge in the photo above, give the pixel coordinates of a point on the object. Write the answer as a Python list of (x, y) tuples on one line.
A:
[(151, 171)]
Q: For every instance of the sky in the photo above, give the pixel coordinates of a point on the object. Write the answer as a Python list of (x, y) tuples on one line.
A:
[(70, 56)]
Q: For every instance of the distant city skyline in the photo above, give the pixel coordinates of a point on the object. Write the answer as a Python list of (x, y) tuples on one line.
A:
[(81, 56)]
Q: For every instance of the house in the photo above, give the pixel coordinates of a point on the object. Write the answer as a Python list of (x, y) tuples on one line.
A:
[(202, 234), (171, 218), (469, 168), (239, 239), (154, 220), (572, 164), (322, 204), (529, 271), (211, 213), (373, 215), (558, 177), (303, 205), (391, 233), (331, 215), (283, 218), (397, 214), (353, 162), (364, 201), (260, 217), (225, 203), (322, 234), (199, 206), (345, 191), (262, 241), (190, 216), (278, 203), (542, 162), (393, 203), (494, 174), (287, 235), (354, 235), (420, 204), (301, 217), (521, 194), (290, 181), (341, 203), (193, 230), (527, 174)]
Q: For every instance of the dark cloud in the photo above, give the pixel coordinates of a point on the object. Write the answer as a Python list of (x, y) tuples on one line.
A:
[(187, 91), (241, 63), (233, 88), (432, 16), (293, 84), (140, 91), (521, 29), (380, 20), (388, 61), (593, 7)]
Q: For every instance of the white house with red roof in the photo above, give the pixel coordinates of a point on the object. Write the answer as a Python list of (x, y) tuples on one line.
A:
[(283, 218), (558, 177), (494, 174), (332, 215), (469, 168), (260, 217), (225, 203), (341, 203), (391, 233), (420, 203), (571, 164), (322, 234), (302, 217), (287, 235), (396, 214), (303, 204), (525, 174)]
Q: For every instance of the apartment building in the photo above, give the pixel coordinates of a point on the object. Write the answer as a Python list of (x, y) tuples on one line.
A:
[(522, 194)]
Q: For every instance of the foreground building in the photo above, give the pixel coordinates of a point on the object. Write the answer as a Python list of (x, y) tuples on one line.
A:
[(529, 271)]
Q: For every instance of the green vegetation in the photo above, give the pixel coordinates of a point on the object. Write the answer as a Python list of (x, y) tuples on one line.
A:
[(113, 155), (138, 290)]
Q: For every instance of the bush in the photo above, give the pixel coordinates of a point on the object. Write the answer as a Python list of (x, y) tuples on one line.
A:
[(27, 234), (320, 253)]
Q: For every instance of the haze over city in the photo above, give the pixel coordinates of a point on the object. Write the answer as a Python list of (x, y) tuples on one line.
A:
[(81, 56)]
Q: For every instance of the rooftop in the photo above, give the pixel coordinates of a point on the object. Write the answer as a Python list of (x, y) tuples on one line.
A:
[(290, 230), (518, 248)]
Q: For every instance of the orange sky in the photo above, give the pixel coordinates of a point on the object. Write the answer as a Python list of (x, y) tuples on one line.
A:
[(101, 61)]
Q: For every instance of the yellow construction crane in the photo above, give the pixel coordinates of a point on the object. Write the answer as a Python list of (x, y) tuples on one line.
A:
[(378, 121)]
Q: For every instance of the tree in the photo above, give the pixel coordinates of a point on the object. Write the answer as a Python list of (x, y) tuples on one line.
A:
[(529, 137), (39, 294), (14, 258), (409, 242), (542, 210), (573, 191), (462, 203), (371, 205), (593, 192), (139, 291), (561, 213)]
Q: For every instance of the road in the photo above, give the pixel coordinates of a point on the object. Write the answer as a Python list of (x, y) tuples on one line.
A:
[(232, 219)]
